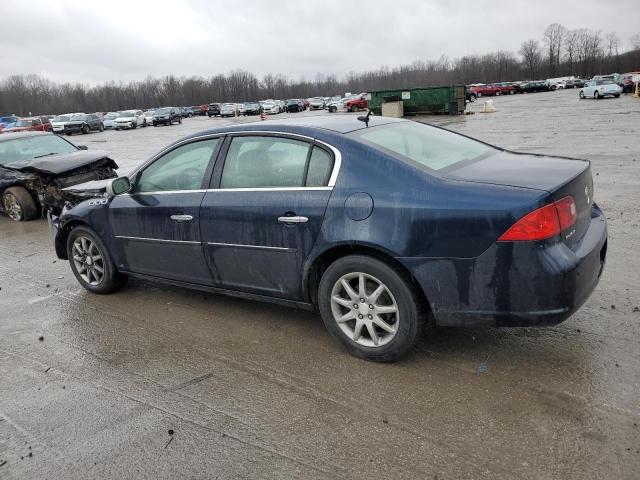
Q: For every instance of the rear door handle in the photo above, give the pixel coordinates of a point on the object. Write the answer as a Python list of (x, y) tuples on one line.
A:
[(295, 219), (181, 218)]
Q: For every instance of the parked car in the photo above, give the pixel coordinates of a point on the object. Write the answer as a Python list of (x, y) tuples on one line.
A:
[(506, 88), (532, 87), (148, 116), (295, 105), (625, 81), (240, 108), (252, 108), (356, 104), (316, 103), (270, 108), (7, 121), (36, 167), (214, 110), (574, 83), (166, 116), (186, 112), (486, 90), (30, 124), (109, 120), (228, 110), (299, 213), (600, 88), (195, 110), (557, 86), (131, 119), (83, 123)]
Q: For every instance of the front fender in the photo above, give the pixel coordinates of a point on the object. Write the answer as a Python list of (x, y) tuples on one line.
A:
[(93, 212)]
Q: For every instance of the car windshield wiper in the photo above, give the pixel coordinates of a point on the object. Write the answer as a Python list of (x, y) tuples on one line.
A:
[(46, 155)]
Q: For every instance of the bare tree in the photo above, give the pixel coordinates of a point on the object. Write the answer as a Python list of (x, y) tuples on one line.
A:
[(553, 36), (571, 40), (635, 41), (531, 57)]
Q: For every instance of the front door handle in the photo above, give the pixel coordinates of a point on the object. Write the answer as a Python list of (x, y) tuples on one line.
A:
[(295, 219), (181, 218)]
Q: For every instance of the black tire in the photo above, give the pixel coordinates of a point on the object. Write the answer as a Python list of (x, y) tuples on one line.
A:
[(472, 97), (101, 127), (617, 95), (134, 125), (596, 95), (581, 95), (144, 123), (112, 280), (355, 108), (85, 129), (411, 313), (25, 207), (180, 121), (498, 93)]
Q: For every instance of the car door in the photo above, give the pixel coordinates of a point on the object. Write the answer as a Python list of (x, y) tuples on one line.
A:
[(261, 221), (157, 225)]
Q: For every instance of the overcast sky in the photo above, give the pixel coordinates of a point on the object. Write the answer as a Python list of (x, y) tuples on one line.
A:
[(122, 40)]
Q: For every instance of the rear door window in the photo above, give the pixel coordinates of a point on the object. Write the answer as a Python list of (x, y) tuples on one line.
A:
[(264, 161)]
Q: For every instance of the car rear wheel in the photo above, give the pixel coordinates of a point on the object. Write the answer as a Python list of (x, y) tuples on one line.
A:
[(581, 95), (498, 93), (18, 204), (91, 263), (370, 308), (85, 129), (596, 95), (102, 127), (355, 108)]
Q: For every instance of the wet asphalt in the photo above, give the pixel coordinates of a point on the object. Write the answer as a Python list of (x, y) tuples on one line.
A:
[(91, 386)]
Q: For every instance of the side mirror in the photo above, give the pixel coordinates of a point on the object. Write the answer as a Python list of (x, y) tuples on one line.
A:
[(119, 185), (83, 147)]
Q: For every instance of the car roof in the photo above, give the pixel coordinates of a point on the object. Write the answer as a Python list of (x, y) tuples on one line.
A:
[(338, 123), (13, 136)]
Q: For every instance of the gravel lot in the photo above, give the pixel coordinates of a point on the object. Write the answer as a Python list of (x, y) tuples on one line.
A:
[(253, 390)]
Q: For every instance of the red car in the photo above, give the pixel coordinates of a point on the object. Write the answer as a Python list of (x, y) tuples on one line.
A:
[(488, 90), (356, 104), (31, 124)]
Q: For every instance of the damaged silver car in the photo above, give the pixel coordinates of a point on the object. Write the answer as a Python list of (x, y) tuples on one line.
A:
[(37, 170)]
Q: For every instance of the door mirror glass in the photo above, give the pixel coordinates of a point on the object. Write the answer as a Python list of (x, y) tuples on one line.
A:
[(119, 185), (83, 147)]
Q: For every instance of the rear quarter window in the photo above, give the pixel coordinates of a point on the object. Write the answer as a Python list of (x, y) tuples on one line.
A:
[(429, 147)]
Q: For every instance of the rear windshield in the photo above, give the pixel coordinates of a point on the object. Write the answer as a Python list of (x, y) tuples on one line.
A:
[(430, 147)]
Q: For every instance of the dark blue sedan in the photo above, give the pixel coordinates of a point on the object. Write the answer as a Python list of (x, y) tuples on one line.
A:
[(383, 227)]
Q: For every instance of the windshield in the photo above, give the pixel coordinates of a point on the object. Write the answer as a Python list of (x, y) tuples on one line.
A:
[(23, 149), (111, 116), (62, 118), (24, 123), (604, 82), (81, 116), (163, 111), (128, 114), (431, 147)]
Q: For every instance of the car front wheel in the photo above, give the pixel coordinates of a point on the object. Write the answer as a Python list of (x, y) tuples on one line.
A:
[(581, 95), (370, 308), (91, 263), (18, 204)]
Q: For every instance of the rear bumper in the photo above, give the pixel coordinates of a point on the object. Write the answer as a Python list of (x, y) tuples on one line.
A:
[(515, 284)]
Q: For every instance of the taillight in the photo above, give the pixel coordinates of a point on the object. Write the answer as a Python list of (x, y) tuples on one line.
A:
[(543, 223)]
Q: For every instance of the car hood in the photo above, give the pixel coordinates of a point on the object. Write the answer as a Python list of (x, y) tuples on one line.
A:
[(125, 119), (523, 170), (57, 164)]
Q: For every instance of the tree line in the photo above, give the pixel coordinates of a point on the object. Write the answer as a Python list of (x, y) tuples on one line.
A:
[(580, 52)]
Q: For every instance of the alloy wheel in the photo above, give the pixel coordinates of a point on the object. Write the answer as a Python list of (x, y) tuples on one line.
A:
[(12, 207), (88, 260), (365, 309)]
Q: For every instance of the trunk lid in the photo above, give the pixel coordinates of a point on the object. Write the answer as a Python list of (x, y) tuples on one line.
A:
[(558, 176)]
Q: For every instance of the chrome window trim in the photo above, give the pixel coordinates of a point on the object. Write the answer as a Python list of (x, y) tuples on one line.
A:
[(260, 247), (163, 192), (337, 156), (270, 189), (161, 240)]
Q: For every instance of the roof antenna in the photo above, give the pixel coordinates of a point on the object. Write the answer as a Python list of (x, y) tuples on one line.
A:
[(365, 118)]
